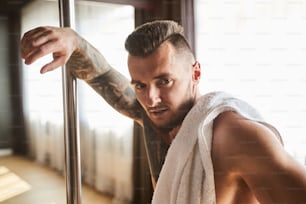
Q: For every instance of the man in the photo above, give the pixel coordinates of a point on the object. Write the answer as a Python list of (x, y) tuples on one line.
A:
[(217, 148)]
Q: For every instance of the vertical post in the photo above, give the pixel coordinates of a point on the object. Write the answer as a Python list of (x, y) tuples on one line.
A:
[(72, 139)]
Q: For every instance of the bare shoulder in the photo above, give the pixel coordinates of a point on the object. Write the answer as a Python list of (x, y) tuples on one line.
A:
[(252, 152), (240, 137)]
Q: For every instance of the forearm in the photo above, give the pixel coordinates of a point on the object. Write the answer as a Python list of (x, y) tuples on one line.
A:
[(118, 92), (86, 62)]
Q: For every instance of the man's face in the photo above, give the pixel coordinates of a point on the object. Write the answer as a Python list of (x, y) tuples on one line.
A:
[(164, 86)]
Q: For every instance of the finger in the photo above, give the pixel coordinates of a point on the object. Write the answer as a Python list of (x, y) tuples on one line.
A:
[(34, 30), (28, 35), (35, 38), (34, 45), (27, 39), (57, 62), (38, 52), (42, 37), (34, 55)]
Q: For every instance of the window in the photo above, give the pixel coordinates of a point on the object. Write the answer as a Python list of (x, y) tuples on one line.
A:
[(256, 51), (106, 136)]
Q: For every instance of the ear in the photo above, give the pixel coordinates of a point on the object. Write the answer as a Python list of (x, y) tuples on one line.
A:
[(196, 72)]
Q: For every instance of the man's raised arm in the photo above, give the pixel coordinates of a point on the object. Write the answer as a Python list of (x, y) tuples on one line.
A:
[(84, 61)]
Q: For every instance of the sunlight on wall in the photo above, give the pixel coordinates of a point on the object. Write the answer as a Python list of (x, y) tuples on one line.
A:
[(256, 50)]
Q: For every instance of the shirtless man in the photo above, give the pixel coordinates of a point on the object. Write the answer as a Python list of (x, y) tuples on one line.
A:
[(250, 163)]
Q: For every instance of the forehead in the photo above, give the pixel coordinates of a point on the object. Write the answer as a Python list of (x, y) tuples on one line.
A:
[(161, 61)]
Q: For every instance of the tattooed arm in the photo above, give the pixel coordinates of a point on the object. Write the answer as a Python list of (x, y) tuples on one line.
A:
[(85, 62), (89, 64)]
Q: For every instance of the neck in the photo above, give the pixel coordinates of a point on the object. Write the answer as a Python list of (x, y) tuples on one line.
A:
[(173, 133), (167, 135)]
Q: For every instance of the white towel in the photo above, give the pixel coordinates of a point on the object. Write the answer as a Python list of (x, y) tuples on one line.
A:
[(187, 176)]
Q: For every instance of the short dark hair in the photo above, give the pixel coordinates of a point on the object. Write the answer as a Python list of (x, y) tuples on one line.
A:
[(146, 38)]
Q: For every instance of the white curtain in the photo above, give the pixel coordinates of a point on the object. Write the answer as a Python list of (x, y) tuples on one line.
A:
[(256, 50), (106, 136)]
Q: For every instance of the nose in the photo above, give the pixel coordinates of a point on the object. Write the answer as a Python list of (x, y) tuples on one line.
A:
[(152, 96)]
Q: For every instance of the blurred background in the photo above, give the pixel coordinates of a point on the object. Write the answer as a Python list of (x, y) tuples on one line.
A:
[(253, 49)]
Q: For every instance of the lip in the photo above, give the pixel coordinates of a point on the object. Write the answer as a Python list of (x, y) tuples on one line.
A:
[(157, 112)]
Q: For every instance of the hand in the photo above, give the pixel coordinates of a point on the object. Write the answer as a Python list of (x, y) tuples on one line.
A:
[(41, 41)]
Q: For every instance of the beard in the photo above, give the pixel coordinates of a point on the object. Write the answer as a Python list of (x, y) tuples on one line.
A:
[(178, 117)]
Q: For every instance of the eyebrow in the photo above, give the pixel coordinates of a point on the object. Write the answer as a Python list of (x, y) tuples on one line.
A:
[(135, 81), (162, 75)]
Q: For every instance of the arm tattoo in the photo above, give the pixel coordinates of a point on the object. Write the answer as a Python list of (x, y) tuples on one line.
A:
[(117, 91), (88, 64)]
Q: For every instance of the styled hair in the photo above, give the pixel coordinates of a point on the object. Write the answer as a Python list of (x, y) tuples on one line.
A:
[(146, 38)]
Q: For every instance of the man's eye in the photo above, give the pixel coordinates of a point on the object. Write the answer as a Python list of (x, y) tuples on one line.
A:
[(139, 86), (163, 82)]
